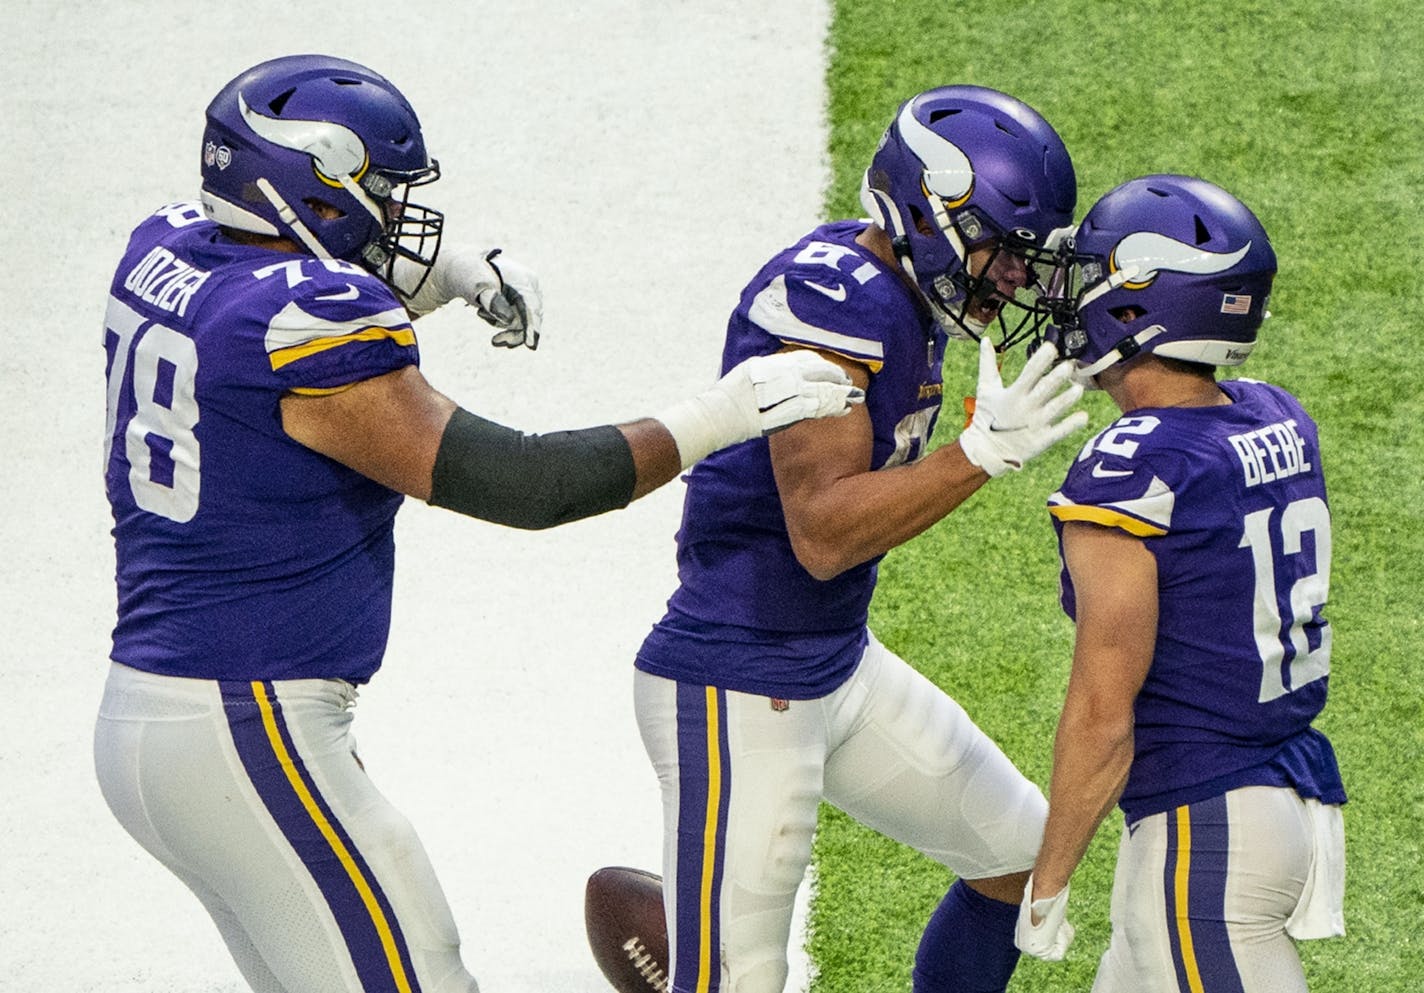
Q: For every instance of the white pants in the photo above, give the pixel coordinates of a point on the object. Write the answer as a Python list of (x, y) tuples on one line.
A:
[(1208, 896), (251, 793), (742, 777)]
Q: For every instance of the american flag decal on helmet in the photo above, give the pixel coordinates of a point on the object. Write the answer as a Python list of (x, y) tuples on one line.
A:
[(1235, 303)]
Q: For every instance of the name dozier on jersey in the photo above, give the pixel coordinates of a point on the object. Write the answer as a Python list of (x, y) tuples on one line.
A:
[(165, 281)]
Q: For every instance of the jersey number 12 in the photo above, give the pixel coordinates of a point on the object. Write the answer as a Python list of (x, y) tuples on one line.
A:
[(1306, 595)]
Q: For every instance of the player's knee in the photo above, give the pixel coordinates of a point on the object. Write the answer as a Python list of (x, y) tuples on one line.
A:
[(766, 976), (787, 855), (1006, 889)]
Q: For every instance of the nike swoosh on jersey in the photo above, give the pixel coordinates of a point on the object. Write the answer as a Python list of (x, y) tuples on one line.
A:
[(351, 294), (1100, 473), (836, 293)]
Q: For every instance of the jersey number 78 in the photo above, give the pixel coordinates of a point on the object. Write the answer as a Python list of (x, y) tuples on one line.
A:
[(160, 366)]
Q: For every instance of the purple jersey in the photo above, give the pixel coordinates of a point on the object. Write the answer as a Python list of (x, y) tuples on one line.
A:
[(1231, 502), (747, 616), (241, 554)]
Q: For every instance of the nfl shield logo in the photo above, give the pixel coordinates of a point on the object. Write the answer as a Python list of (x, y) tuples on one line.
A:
[(779, 705)]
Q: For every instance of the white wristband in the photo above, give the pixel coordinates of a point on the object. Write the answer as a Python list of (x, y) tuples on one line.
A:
[(702, 424)]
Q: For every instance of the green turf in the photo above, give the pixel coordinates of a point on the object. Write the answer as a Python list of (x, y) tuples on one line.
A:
[(1313, 113)]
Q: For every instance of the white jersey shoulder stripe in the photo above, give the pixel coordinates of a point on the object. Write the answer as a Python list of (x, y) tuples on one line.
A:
[(771, 312), (293, 326), (293, 334), (1149, 515)]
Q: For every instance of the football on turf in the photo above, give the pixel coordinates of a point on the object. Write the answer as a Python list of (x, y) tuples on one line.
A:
[(623, 913)]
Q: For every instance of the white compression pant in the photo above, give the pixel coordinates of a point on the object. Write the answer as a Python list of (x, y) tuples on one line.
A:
[(1207, 896), (251, 793), (742, 779)]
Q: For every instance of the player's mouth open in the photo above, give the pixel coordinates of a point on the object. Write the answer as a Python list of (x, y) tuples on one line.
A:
[(986, 309)]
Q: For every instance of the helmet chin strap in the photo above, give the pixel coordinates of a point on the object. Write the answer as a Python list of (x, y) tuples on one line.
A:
[(1114, 280), (372, 208), (304, 234), (289, 217), (884, 213), (1125, 349), (977, 329)]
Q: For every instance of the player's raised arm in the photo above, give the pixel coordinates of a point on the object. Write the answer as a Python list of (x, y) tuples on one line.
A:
[(401, 432)]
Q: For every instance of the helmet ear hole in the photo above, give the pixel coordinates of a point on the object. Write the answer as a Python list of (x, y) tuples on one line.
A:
[(922, 224), (324, 210), (1127, 313), (1203, 235)]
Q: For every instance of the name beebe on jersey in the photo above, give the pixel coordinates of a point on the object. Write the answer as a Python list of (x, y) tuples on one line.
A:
[(1276, 451)]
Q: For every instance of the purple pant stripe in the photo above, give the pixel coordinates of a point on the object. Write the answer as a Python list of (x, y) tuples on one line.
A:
[(1195, 874), (705, 780), (363, 913)]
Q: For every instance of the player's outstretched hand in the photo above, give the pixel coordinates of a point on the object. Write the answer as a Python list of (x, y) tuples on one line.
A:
[(758, 396), (504, 293), (776, 391), (1050, 937), (1014, 423), (516, 306)]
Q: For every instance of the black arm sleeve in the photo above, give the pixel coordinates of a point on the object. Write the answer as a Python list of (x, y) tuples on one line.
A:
[(530, 481)]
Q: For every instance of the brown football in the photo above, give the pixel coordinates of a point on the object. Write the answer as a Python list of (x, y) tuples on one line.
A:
[(623, 913)]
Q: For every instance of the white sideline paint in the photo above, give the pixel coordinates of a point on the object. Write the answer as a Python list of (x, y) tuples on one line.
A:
[(645, 158)]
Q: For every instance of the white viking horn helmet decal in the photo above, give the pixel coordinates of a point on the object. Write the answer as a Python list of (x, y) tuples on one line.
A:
[(337, 151), (1142, 254), (948, 174)]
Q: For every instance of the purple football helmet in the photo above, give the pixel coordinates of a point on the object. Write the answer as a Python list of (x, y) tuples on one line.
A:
[(292, 142), (962, 167), (1166, 264)]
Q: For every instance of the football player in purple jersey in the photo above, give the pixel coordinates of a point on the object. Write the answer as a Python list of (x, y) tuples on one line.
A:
[(266, 417), (762, 691), (1195, 536)]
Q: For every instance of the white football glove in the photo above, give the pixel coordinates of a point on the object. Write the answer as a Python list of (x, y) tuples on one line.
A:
[(1050, 937), (758, 396), (1014, 423), (516, 308), (505, 295)]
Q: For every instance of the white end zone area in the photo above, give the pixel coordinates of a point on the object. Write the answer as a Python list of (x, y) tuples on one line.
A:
[(644, 158)]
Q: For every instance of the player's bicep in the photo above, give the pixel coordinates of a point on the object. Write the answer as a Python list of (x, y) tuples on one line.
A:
[(387, 428), (809, 457), (1115, 581)]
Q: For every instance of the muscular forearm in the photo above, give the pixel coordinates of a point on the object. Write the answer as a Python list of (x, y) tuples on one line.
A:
[(1091, 758), (655, 456), (858, 517)]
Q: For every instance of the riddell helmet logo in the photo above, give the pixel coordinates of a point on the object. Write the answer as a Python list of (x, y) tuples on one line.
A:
[(217, 155)]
